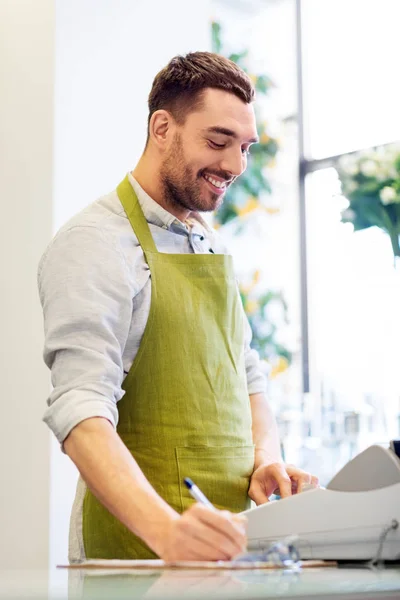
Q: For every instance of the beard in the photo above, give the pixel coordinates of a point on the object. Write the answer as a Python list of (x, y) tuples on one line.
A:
[(181, 187)]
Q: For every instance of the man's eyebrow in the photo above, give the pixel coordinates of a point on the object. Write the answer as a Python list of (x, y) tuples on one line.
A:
[(230, 133)]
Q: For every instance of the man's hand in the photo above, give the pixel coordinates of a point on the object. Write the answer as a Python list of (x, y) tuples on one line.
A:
[(279, 478), (113, 475), (201, 533)]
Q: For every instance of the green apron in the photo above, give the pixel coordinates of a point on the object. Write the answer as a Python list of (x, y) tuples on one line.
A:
[(186, 410)]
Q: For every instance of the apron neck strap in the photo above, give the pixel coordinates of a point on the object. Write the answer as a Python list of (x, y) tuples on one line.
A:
[(130, 202)]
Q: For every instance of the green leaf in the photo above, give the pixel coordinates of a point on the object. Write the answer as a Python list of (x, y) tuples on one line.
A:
[(216, 43), (263, 83), (238, 57), (253, 182), (227, 212)]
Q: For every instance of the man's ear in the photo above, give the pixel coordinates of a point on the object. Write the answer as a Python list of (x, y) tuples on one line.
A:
[(160, 128)]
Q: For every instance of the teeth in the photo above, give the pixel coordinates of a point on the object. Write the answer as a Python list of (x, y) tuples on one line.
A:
[(218, 184)]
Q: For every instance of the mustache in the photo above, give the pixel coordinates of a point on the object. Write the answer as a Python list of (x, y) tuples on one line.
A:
[(221, 174)]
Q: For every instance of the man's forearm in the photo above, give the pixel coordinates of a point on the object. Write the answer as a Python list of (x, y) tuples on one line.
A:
[(265, 432), (114, 477)]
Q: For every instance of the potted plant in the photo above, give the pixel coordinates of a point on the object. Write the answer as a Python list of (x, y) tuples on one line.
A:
[(370, 181)]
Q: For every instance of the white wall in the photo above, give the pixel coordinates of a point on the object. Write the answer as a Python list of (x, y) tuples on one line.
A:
[(26, 136), (107, 54), (72, 122)]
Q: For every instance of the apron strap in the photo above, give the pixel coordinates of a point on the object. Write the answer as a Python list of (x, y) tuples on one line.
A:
[(134, 212)]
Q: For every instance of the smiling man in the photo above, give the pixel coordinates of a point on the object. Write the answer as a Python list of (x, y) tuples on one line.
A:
[(149, 348)]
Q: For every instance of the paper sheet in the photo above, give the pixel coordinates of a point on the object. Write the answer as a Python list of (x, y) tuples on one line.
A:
[(160, 564)]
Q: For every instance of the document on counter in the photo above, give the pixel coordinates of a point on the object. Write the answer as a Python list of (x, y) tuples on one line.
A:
[(161, 564)]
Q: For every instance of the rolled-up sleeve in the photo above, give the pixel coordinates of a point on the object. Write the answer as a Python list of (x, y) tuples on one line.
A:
[(87, 306)]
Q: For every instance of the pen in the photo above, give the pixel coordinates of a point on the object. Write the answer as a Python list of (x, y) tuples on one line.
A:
[(197, 494)]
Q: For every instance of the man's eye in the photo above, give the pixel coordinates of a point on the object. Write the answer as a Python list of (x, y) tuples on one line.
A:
[(215, 145)]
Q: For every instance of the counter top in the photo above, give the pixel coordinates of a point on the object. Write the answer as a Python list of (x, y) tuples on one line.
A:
[(89, 584)]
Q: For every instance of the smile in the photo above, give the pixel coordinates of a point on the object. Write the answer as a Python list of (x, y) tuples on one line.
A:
[(219, 185)]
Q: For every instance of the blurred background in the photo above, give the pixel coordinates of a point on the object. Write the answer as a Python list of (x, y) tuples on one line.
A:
[(313, 225)]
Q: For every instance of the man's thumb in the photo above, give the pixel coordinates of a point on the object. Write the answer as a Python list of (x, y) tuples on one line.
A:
[(257, 494)]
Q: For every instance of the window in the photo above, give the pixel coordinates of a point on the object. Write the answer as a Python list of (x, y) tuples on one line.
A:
[(350, 101), (351, 91), (334, 65)]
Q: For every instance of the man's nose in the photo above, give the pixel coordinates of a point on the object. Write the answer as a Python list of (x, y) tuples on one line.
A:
[(233, 162)]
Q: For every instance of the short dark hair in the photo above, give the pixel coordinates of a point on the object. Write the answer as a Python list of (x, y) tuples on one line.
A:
[(178, 87)]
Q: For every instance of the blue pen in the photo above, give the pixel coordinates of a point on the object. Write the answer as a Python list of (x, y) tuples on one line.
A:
[(197, 494)]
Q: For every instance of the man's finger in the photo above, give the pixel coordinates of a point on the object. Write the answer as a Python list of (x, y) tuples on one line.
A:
[(221, 521), (257, 494), (303, 479), (217, 541), (240, 520), (284, 482)]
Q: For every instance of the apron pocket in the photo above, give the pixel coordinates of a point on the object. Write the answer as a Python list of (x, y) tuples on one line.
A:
[(221, 472)]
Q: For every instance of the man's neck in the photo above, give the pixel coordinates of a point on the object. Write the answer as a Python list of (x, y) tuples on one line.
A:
[(148, 178)]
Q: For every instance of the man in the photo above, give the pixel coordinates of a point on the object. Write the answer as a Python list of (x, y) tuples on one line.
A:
[(154, 379)]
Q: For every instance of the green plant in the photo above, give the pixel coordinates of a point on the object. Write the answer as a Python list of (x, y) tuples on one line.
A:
[(371, 182), (256, 304), (246, 195), (242, 199)]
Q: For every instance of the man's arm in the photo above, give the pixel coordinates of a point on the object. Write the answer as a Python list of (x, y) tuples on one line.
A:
[(115, 478), (265, 431), (270, 473)]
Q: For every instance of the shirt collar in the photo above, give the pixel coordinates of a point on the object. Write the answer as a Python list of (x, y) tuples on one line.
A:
[(157, 215)]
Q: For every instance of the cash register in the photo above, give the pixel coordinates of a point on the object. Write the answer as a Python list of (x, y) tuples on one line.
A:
[(356, 517)]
